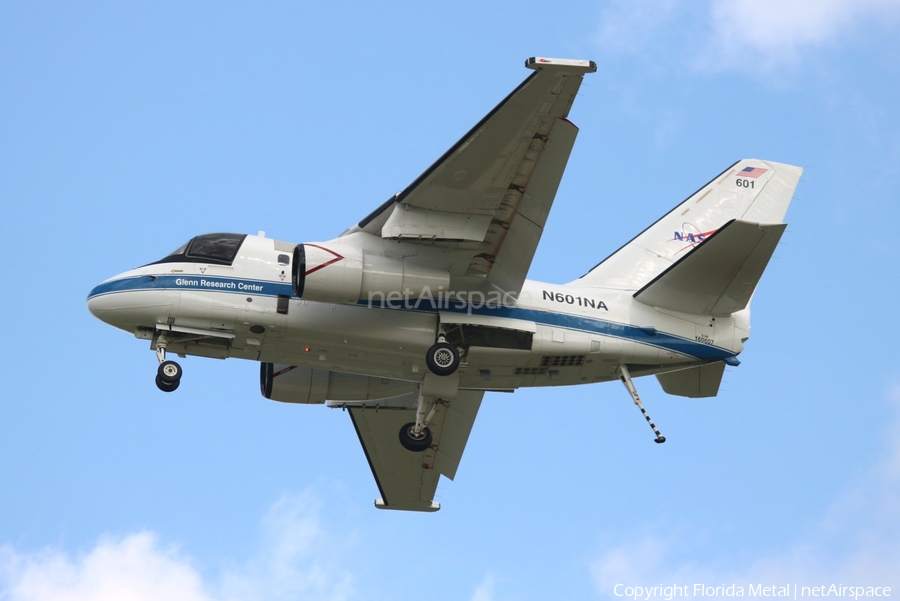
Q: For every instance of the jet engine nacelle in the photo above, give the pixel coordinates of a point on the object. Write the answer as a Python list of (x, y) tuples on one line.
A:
[(291, 384), (338, 273)]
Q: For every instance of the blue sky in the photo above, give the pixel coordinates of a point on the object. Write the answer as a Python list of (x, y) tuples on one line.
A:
[(128, 128)]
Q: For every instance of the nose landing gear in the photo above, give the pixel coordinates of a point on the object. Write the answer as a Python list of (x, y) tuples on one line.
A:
[(166, 387), (168, 375)]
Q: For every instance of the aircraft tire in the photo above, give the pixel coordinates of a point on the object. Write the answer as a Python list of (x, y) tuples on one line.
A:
[(166, 387), (442, 359), (416, 445), (169, 372)]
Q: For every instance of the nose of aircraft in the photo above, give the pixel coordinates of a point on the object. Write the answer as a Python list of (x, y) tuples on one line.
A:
[(98, 304), (130, 301)]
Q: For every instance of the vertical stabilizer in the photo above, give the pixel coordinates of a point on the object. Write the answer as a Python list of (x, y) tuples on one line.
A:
[(750, 190)]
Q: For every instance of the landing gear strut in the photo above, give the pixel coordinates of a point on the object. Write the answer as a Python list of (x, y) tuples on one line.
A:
[(168, 375), (435, 395), (415, 436), (436, 390), (626, 380)]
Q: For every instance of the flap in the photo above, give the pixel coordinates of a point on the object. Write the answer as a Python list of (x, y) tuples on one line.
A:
[(695, 382), (408, 480), (719, 275), (408, 222)]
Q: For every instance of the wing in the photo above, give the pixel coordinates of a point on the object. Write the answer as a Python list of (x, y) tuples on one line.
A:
[(490, 194), (409, 480)]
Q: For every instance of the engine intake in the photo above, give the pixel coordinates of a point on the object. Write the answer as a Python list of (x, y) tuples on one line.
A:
[(339, 273)]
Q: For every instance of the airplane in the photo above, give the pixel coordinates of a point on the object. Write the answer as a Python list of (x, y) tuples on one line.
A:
[(406, 319)]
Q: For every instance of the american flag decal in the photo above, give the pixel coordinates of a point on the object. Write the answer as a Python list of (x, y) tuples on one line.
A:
[(753, 172)]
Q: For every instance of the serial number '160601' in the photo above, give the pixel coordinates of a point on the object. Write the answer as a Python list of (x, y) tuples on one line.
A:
[(569, 299)]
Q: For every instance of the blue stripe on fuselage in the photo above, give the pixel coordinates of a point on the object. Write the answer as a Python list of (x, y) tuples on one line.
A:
[(193, 282), (661, 340), (593, 325)]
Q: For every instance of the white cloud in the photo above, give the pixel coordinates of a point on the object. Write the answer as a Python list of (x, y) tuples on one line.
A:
[(856, 543), (485, 590), (626, 26), (892, 463), (763, 34), (132, 568), (750, 35), (297, 560)]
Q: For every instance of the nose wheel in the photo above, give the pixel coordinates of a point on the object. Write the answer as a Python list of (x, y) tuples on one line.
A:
[(166, 386), (168, 375)]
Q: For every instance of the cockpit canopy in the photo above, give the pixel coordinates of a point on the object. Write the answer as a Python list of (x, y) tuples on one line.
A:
[(218, 249)]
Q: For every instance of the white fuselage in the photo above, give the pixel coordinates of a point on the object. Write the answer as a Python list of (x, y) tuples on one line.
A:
[(579, 335)]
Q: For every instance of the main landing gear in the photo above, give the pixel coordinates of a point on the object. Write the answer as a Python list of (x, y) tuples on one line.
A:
[(412, 441), (168, 375), (438, 388), (416, 436), (442, 358)]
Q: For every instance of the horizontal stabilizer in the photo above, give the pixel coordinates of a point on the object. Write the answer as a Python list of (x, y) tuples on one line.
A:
[(719, 275), (695, 382)]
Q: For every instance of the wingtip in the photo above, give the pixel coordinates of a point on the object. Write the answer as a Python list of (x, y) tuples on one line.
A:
[(542, 62), (783, 167), (428, 507)]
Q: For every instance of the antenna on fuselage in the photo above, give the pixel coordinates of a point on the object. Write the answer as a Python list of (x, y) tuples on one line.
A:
[(626, 380)]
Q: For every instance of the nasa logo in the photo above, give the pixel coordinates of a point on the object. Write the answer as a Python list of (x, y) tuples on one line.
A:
[(692, 239)]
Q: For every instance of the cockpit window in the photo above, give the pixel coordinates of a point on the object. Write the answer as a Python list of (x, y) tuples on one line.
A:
[(180, 250), (219, 249), (215, 247)]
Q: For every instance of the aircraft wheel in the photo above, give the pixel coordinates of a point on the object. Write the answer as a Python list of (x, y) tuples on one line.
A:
[(410, 442), (166, 387), (442, 359), (169, 372)]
